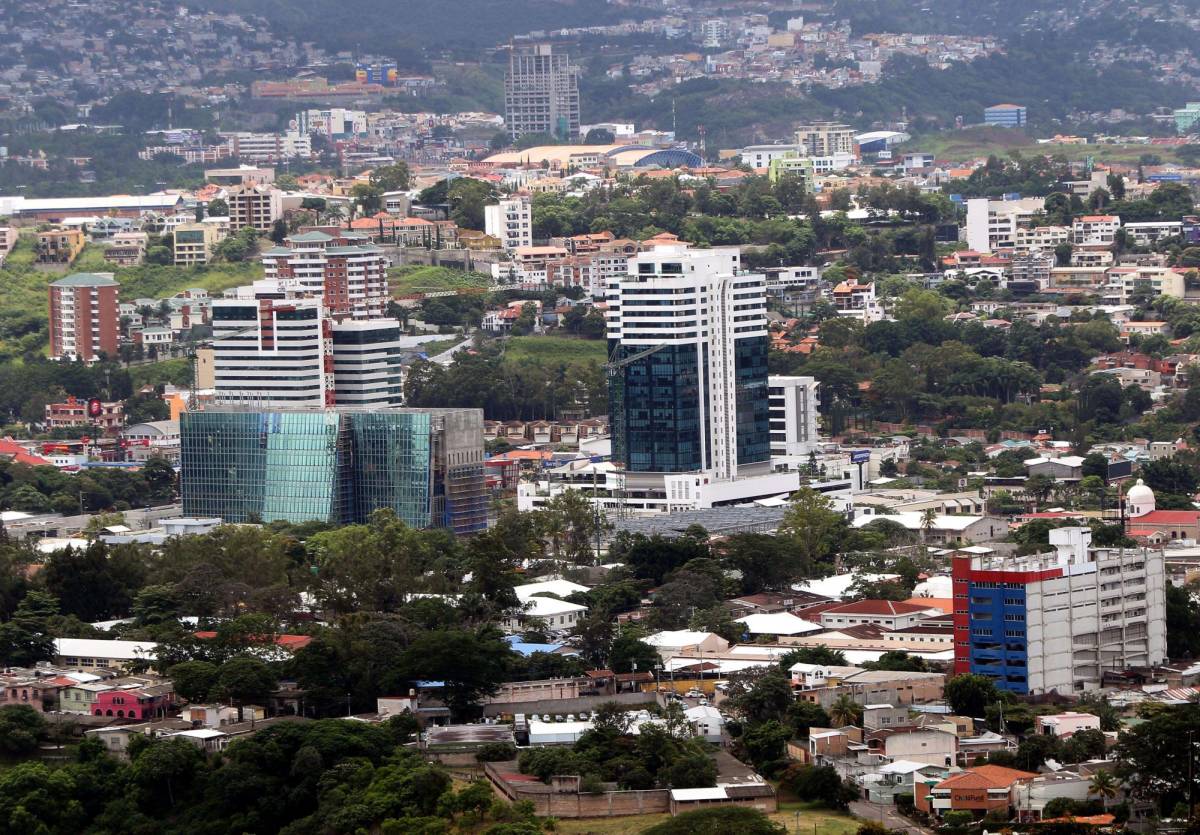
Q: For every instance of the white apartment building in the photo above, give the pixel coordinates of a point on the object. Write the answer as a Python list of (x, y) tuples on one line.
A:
[(761, 156), (332, 122), (1124, 282), (511, 221), (994, 224), (1095, 230), (825, 139), (1041, 237), (269, 147), (1032, 269), (1058, 621), (1148, 232), (276, 348), (8, 239), (792, 403)]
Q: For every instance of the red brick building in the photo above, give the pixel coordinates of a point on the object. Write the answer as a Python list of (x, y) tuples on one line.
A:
[(85, 318)]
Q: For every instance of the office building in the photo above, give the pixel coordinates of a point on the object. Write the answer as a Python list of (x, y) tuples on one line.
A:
[(687, 332), (791, 165), (258, 206), (274, 351), (366, 363), (510, 221), (275, 348), (995, 224), (1005, 115), (541, 93), (85, 318), (792, 412), (348, 274), (1059, 621), (335, 465), (827, 139)]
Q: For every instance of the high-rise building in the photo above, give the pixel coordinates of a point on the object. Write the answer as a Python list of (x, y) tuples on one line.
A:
[(792, 403), (826, 139), (335, 465), (687, 333), (1059, 621), (85, 318), (366, 363), (275, 351), (350, 277), (541, 93), (272, 347), (511, 221)]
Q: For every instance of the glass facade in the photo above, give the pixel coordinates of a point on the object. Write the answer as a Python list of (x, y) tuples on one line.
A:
[(391, 463), (659, 427), (335, 466), (753, 405)]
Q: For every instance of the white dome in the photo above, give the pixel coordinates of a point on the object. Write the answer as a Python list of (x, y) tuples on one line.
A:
[(1140, 499)]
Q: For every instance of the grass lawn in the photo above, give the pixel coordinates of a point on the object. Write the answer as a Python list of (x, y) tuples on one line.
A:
[(416, 279), (439, 345), (24, 288), (824, 821), (555, 349), (176, 371)]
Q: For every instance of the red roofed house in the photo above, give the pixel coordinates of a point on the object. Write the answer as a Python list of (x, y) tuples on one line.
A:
[(10, 450), (888, 614), (977, 790)]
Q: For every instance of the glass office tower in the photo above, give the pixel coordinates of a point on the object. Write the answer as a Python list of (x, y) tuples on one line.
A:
[(687, 334), (335, 465)]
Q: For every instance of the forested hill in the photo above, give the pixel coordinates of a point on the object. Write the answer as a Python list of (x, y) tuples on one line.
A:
[(402, 25)]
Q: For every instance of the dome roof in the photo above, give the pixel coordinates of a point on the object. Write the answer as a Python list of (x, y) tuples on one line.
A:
[(1139, 493)]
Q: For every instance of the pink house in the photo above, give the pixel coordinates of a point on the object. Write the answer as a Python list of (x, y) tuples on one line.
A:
[(135, 702)]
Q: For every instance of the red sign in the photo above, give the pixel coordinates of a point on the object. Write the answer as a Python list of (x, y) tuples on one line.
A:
[(95, 408)]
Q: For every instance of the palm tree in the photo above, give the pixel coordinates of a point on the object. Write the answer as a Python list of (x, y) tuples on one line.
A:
[(1104, 786), (844, 711), (928, 519)]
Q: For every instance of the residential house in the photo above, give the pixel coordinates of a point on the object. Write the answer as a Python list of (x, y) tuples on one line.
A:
[(978, 790)]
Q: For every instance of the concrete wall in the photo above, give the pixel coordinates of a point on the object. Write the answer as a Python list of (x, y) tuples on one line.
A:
[(565, 706), (549, 803)]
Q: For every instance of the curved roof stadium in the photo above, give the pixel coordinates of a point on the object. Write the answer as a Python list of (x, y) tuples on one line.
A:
[(620, 156)]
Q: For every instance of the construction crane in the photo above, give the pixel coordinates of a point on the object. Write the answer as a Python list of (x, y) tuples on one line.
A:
[(614, 365)]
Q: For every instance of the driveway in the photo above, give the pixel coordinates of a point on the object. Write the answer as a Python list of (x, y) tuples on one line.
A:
[(887, 815)]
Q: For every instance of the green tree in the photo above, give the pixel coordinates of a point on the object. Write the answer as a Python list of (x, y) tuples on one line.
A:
[(21, 729), (813, 526), (25, 639), (245, 681), (722, 821), (194, 680), (970, 694)]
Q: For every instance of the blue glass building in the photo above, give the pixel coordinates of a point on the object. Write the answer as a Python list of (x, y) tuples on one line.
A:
[(335, 465)]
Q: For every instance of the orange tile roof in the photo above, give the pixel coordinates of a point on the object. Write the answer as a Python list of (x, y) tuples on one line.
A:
[(985, 777)]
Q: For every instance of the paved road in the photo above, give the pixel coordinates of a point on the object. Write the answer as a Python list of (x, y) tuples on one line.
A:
[(446, 357), (886, 814)]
